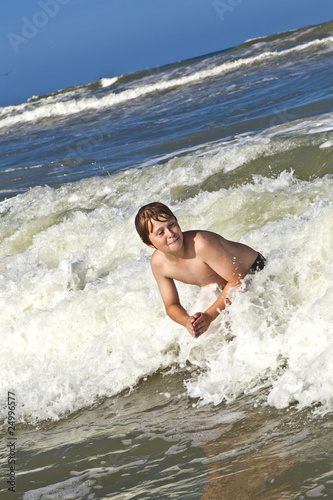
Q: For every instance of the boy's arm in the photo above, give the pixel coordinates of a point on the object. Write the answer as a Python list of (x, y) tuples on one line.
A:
[(172, 305), (204, 319), (223, 263)]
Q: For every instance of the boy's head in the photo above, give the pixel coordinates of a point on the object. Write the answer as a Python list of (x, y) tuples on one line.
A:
[(153, 211)]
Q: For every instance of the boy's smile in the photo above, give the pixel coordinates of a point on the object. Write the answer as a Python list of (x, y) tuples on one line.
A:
[(166, 236)]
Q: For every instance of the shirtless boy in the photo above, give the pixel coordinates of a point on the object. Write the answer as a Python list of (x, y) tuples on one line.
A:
[(194, 257)]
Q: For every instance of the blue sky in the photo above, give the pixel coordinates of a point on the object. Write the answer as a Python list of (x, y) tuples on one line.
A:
[(47, 45)]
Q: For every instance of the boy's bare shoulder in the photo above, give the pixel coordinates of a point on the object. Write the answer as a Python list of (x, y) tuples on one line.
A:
[(157, 262), (156, 257), (200, 235), (202, 239)]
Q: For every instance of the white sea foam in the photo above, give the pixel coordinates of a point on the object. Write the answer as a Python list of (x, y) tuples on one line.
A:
[(281, 326), (27, 113), (82, 317), (326, 144), (313, 125), (107, 82)]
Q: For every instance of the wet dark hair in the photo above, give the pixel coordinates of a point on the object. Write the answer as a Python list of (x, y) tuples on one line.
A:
[(153, 211)]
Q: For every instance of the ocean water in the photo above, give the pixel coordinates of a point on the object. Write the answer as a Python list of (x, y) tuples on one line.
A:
[(102, 395)]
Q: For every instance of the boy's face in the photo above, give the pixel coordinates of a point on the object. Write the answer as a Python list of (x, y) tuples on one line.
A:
[(166, 236)]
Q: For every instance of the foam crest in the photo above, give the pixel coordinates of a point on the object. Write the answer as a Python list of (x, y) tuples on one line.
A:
[(29, 113), (107, 82)]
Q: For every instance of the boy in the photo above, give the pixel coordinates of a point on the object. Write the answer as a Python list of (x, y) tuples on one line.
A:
[(194, 257)]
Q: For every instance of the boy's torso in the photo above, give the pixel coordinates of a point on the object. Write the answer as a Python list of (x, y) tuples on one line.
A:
[(194, 272), (192, 268)]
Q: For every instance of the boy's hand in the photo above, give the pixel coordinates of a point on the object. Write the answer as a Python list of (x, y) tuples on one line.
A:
[(198, 324)]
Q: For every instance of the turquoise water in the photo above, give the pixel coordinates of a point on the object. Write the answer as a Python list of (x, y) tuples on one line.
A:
[(111, 398)]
